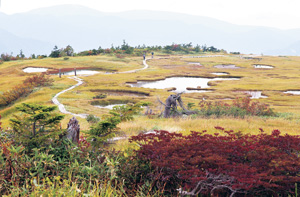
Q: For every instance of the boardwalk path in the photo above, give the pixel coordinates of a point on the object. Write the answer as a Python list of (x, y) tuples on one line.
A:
[(62, 108)]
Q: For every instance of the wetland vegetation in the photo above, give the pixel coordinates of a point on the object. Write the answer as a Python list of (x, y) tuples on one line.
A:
[(260, 111)]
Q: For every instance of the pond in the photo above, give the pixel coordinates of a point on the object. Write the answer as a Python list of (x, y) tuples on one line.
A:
[(295, 92), (180, 83), (227, 66), (255, 94), (108, 106), (220, 73), (262, 66), (34, 70), (194, 63), (80, 72)]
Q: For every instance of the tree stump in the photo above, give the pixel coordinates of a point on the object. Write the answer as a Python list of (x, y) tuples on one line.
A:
[(73, 130), (171, 104)]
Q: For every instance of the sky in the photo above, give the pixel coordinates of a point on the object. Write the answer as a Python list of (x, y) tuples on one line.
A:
[(282, 14)]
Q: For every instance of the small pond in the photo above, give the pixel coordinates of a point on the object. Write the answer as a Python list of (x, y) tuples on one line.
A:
[(220, 73), (180, 83), (255, 94), (295, 92), (108, 106), (34, 70), (262, 66), (80, 72), (227, 66), (194, 63)]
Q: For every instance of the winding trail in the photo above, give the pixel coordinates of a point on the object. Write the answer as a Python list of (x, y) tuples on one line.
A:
[(61, 107), (80, 81), (135, 70)]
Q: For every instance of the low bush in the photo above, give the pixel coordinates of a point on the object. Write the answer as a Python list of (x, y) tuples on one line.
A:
[(38, 80), (24, 89), (100, 96), (56, 165), (36, 127), (227, 164), (239, 108), (92, 119)]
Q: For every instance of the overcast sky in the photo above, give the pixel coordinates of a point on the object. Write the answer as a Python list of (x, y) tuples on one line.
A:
[(283, 14)]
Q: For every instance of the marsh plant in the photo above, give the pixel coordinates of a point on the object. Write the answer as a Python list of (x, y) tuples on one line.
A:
[(240, 107)]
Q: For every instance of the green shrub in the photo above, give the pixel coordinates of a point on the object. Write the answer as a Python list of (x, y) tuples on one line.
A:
[(36, 127), (92, 119), (240, 108), (100, 96)]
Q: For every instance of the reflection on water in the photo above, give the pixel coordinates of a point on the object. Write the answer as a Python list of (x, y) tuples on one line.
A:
[(80, 72), (195, 63), (220, 73), (34, 70), (262, 66), (255, 94), (108, 106), (227, 66), (180, 83), (293, 92), (69, 73)]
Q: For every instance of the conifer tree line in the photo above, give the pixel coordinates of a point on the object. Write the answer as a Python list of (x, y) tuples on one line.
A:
[(125, 49)]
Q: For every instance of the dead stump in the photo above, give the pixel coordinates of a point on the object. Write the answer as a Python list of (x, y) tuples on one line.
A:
[(73, 130)]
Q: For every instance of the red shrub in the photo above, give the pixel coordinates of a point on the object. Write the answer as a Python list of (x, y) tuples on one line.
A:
[(24, 89), (38, 80), (239, 108), (83, 144), (254, 108), (230, 163), (0, 125)]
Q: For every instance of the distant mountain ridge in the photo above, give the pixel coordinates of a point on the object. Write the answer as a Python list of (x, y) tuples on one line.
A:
[(83, 28)]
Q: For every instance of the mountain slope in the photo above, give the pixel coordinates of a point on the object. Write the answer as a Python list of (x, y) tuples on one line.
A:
[(10, 43), (85, 28)]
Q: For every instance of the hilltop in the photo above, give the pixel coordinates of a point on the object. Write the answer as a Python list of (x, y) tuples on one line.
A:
[(85, 28)]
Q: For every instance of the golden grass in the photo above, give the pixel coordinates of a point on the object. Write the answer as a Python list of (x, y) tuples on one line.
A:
[(248, 125), (185, 125), (272, 82)]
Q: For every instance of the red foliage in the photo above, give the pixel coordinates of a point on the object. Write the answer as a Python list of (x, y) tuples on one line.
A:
[(175, 47), (11, 95), (83, 144), (0, 125), (254, 108), (245, 104), (250, 164), (38, 80), (24, 89), (10, 168), (107, 51)]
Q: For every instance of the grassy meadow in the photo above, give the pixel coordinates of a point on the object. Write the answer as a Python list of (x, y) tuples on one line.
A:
[(272, 82)]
